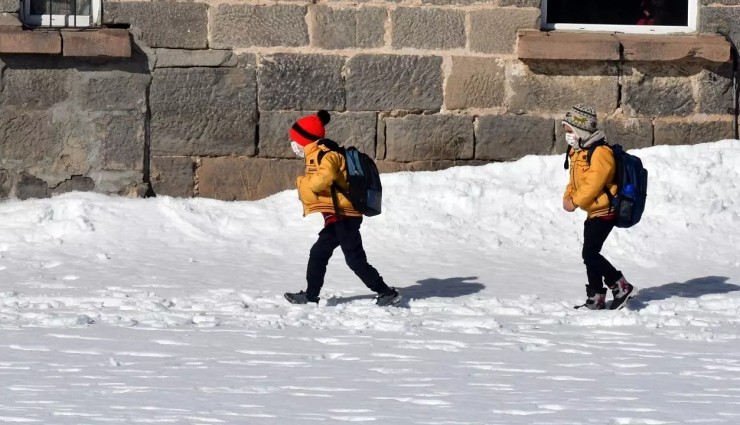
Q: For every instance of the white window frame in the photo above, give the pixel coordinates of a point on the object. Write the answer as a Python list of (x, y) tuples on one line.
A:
[(632, 29), (62, 21)]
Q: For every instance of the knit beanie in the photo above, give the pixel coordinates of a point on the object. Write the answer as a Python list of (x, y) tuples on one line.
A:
[(310, 128), (582, 119)]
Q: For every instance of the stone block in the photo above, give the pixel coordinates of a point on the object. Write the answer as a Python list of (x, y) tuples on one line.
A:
[(428, 28), (726, 20), (9, 19), (631, 133), (715, 90), (671, 132), (203, 111), (163, 23), (231, 179), (74, 183), (429, 137), (28, 137), (39, 88), (387, 82), (641, 88), (16, 40), (6, 183), (507, 137), (553, 45), (173, 176), (9, 6), (121, 141), (559, 87), (301, 82), (333, 28), (458, 2), (475, 82), (111, 90), (247, 25), (495, 30), (104, 42), (652, 48), (520, 3), (348, 129), (31, 187), (179, 58)]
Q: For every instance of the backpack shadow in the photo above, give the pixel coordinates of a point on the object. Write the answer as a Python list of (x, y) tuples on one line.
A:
[(693, 288), (451, 287)]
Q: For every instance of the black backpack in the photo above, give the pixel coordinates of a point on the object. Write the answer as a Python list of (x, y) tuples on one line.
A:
[(364, 191), (631, 180)]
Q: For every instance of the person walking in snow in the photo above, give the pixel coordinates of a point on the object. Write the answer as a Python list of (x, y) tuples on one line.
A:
[(326, 168), (592, 172)]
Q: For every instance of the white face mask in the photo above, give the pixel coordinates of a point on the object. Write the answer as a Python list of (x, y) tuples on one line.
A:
[(297, 149), (571, 139)]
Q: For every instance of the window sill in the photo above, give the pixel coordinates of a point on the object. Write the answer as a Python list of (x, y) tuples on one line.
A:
[(102, 42), (573, 45)]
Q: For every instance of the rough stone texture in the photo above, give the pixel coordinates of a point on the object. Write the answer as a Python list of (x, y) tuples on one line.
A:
[(715, 91), (631, 133), (394, 167), (104, 42), (713, 20), (347, 28), (9, 19), (644, 86), (178, 58), (348, 129), (6, 183), (23, 86), (507, 137), (246, 178), (649, 47), (9, 6), (520, 3), (163, 23), (428, 137), (27, 136), (535, 44), (122, 141), (246, 25), (495, 31), (112, 90), (15, 40), (430, 29), (721, 2), (475, 83), (29, 187), (386, 82), (173, 176), (301, 82), (74, 183), (203, 111), (557, 88), (691, 132), (457, 2)]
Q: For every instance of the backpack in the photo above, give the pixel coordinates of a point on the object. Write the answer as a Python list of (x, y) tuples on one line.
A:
[(631, 180), (364, 191)]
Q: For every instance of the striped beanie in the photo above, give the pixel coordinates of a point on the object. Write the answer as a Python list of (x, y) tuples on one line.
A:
[(310, 128), (582, 119)]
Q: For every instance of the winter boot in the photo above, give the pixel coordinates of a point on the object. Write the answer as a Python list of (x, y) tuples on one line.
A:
[(596, 299), (300, 298), (622, 291), (391, 297)]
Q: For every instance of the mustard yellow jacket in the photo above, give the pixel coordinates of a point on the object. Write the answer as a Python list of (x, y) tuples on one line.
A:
[(314, 188), (588, 183)]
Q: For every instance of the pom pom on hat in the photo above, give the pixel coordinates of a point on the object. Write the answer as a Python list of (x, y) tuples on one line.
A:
[(310, 128), (582, 119)]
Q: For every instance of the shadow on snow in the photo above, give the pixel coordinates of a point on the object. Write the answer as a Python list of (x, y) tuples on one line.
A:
[(693, 288), (451, 287)]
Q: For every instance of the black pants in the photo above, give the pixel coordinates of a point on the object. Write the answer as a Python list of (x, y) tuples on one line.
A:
[(345, 234), (598, 269)]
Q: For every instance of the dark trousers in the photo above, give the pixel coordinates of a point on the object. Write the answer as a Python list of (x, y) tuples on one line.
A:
[(598, 269), (344, 233)]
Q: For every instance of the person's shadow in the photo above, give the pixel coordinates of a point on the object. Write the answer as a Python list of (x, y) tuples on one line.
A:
[(693, 288), (451, 287)]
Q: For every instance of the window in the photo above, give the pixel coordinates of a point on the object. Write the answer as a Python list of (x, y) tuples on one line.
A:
[(632, 16), (61, 13)]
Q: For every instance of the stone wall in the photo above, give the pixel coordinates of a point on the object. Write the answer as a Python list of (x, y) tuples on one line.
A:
[(203, 106)]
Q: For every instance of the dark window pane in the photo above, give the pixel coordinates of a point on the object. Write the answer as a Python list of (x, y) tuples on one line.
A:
[(60, 7), (619, 12)]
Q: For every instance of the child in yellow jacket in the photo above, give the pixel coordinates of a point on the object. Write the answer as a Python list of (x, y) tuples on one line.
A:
[(322, 190), (592, 171)]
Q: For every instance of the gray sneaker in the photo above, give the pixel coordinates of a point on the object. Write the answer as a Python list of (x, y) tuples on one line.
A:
[(392, 297), (300, 298)]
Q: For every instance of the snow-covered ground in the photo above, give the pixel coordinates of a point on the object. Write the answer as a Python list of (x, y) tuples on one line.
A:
[(116, 310)]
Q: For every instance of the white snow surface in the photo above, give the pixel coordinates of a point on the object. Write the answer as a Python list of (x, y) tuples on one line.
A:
[(117, 310)]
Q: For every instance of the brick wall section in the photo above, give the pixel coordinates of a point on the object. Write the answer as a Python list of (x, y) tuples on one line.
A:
[(203, 105)]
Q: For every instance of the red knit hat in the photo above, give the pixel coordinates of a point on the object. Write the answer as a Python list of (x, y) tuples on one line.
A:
[(310, 128)]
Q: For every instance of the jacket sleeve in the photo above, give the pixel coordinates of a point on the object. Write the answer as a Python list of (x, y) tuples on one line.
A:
[(596, 177), (326, 174)]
